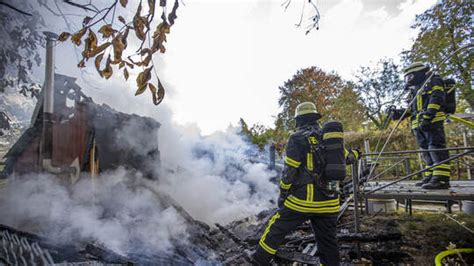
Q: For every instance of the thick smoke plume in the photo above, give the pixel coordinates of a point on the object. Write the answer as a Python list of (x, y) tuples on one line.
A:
[(213, 176), (118, 210)]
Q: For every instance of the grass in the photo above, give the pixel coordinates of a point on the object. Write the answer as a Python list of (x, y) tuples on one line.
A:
[(427, 234), (424, 234)]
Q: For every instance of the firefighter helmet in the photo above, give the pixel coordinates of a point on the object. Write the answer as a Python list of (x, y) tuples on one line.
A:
[(305, 108), (414, 67)]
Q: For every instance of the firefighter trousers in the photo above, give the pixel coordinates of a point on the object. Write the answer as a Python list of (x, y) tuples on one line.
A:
[(285, 221), (434, 138)]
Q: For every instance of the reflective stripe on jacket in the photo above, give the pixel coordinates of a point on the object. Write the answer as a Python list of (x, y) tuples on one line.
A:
[(429, 103), (303, 196)]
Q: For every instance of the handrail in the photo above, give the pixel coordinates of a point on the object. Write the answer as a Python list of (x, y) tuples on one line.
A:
[(388, 169), (418, 151), (420, 171)]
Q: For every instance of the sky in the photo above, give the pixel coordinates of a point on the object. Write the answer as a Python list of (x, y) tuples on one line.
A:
[(226, 59)]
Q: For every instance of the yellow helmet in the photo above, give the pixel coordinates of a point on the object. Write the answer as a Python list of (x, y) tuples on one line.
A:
[(414, 67), (305, 108)]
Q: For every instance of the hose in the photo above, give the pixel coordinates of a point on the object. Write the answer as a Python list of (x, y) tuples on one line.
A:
[(442, 255), (460, 120)]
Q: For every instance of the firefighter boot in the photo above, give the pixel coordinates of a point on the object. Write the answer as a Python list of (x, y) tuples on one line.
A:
[(437, 182), (426, 179), (423, 181)]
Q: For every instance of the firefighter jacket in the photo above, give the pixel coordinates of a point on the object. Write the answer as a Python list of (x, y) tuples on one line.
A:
[(429, 103), (299, 190)]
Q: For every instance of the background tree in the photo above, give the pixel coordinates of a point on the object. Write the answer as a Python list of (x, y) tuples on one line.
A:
[(309, 84), (19, 28), (334, 98), (348, 109), (262, 136), (442, 30), (379, 88)]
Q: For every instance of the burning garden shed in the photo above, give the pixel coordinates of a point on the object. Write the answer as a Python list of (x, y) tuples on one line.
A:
[(85, 137)]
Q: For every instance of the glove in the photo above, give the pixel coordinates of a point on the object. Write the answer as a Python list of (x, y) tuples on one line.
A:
[(424, 121), (398, 113), (356, 152), (280, 202), (282, 198), (390, 109), (354, 155)]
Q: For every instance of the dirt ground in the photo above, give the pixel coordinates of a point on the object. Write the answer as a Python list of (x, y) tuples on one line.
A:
[(424, 235)]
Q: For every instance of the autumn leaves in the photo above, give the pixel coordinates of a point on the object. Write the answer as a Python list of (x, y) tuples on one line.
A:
[(107, 62)]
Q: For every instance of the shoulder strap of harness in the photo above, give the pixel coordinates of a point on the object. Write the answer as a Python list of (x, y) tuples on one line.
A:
[(314, 158)]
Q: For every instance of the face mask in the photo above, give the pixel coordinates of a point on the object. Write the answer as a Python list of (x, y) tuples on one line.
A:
[(409, 78), (413, 88), (416, 78)]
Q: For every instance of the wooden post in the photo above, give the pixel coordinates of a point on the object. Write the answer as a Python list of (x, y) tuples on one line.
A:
[(355, 184), (466, 144), (272, 156), (407, 166)]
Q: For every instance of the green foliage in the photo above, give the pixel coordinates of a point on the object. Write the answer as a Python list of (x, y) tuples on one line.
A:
[(443, 29), (380, 87), (402, 139), (261, 135), (348, 110)]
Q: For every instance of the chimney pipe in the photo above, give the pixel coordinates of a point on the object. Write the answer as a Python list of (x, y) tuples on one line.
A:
[(48, 107), (46, 152)]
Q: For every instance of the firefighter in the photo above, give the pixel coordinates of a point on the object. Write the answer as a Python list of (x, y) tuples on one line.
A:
[(301, 198), (427, 113)]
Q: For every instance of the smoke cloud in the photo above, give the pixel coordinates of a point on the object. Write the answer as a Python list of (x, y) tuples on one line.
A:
[(118, 210), (212, 177)]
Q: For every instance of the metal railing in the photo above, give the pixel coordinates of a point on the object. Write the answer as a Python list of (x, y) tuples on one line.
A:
[(408, 162), (357, 175)]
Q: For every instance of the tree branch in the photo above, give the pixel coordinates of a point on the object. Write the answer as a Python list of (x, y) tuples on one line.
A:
[(85, 7), (16, 9)]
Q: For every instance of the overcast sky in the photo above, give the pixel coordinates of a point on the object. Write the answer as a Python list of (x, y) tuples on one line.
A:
[(226, 59)]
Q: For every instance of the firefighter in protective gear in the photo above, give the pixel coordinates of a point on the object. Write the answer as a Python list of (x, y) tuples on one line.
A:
[(427, 122), (301, 198)]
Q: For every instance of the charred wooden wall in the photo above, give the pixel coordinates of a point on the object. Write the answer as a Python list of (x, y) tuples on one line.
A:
[(121, 139), (70, 138)]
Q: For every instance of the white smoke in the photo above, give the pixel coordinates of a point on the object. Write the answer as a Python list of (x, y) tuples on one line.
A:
[(212, 177), (118, 210)]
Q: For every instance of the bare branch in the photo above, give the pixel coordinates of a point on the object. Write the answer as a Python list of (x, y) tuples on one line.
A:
[(85, 7), (16, 9), (286, 4), (313, 20), (302, 13)]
